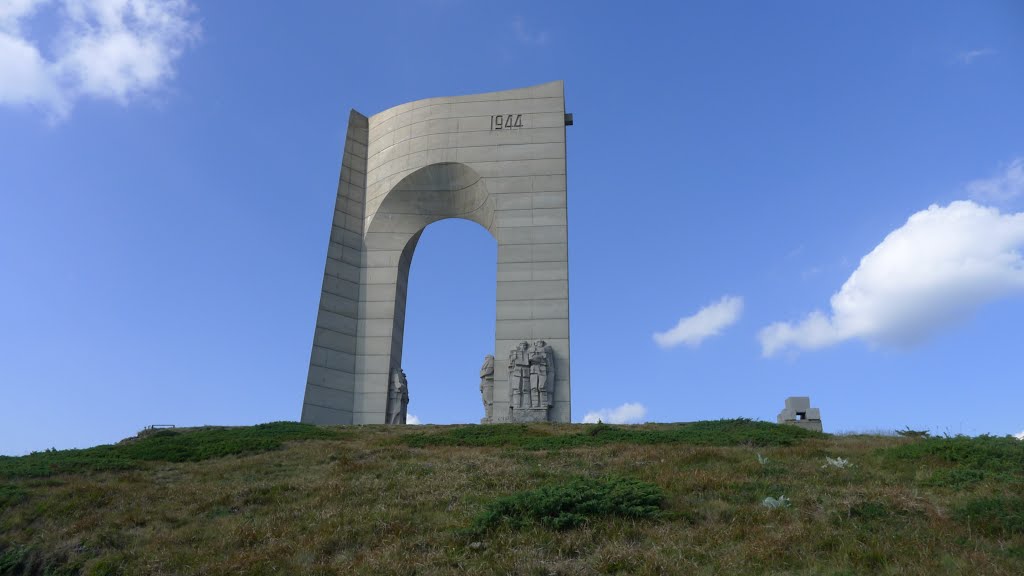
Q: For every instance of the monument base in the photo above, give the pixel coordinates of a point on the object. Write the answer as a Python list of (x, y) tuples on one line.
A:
[(813, 425), (529, 415)]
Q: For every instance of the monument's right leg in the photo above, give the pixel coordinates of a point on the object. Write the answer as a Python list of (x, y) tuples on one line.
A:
[(533, 297)]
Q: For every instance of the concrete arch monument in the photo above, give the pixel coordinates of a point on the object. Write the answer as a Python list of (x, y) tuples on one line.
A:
[(497, 159)]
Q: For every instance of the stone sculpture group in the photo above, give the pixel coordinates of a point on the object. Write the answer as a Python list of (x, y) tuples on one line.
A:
[(531, 377), (531, 383)]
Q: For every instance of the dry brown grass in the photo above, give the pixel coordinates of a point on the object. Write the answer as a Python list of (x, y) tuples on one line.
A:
[(369, 504)]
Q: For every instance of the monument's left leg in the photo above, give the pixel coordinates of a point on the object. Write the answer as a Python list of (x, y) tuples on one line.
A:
[(330, 381), (380, 340)]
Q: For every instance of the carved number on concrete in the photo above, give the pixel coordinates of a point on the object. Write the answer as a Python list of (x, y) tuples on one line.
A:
[(506, 121)]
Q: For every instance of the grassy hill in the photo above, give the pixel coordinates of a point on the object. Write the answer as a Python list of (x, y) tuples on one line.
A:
[(286, 498)]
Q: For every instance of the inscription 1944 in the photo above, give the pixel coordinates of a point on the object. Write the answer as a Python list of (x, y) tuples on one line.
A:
[(506, 121)]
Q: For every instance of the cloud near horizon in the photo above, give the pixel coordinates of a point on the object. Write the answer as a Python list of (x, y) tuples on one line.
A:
[(412, 419), (709, 321), (933, 272), (106, 49), (628, 413), (1019, 435), (1007, 185)]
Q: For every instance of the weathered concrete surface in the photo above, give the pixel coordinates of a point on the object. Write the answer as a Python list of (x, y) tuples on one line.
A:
[(798, 412), (497, 159)]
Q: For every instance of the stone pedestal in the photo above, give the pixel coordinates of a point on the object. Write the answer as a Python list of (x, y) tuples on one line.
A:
[(529, 415)]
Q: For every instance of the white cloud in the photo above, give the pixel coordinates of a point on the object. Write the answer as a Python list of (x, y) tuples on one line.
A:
[(969, 56), (412, 419), (11, 11), (708, 321), (933, 271), (628, 413), (528, 36), (107, 49), (1019, 436), (1001, 187), (25, 77)]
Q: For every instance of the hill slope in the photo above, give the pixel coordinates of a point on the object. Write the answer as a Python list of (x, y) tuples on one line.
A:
[(286, 498)]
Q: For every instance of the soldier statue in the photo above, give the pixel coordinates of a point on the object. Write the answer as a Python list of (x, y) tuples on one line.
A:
[(542, 375), (398, 397), (519, 374), (487, 386)]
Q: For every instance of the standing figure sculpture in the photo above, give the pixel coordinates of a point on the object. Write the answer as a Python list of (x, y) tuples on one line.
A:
[(398, 398), (531, 382), (519, 374), (542, 375), (487, 387)]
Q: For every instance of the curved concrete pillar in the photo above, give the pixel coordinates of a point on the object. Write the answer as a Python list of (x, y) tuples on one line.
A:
[(497, 159)]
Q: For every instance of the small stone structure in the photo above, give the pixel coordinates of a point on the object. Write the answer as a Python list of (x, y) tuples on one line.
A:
[(487, 388), (798, 412)]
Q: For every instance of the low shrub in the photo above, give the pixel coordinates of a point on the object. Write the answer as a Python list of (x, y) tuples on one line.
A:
[(707, 433), (988, 453), (480, 435), (564, 506), (908, 433), (14, 559), (960, 477), (868, 510), (206, 443), (963, 461), (188, 445), (994, 515), (52, 462), (11, 495)]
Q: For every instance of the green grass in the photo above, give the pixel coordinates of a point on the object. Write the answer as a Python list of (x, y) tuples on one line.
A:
[(569, 505), (733, 432), (988, 453), (11, 495), (964, 477), (187, 445), (13, 559), (515, 499), (1001, 516), (961, 461)]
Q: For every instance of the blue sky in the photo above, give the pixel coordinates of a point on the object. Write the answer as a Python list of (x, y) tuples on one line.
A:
[(168, 169)]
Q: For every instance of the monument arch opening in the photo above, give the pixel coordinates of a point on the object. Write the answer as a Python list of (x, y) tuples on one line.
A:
[(435, 192), (449, 321), (418, 163)]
